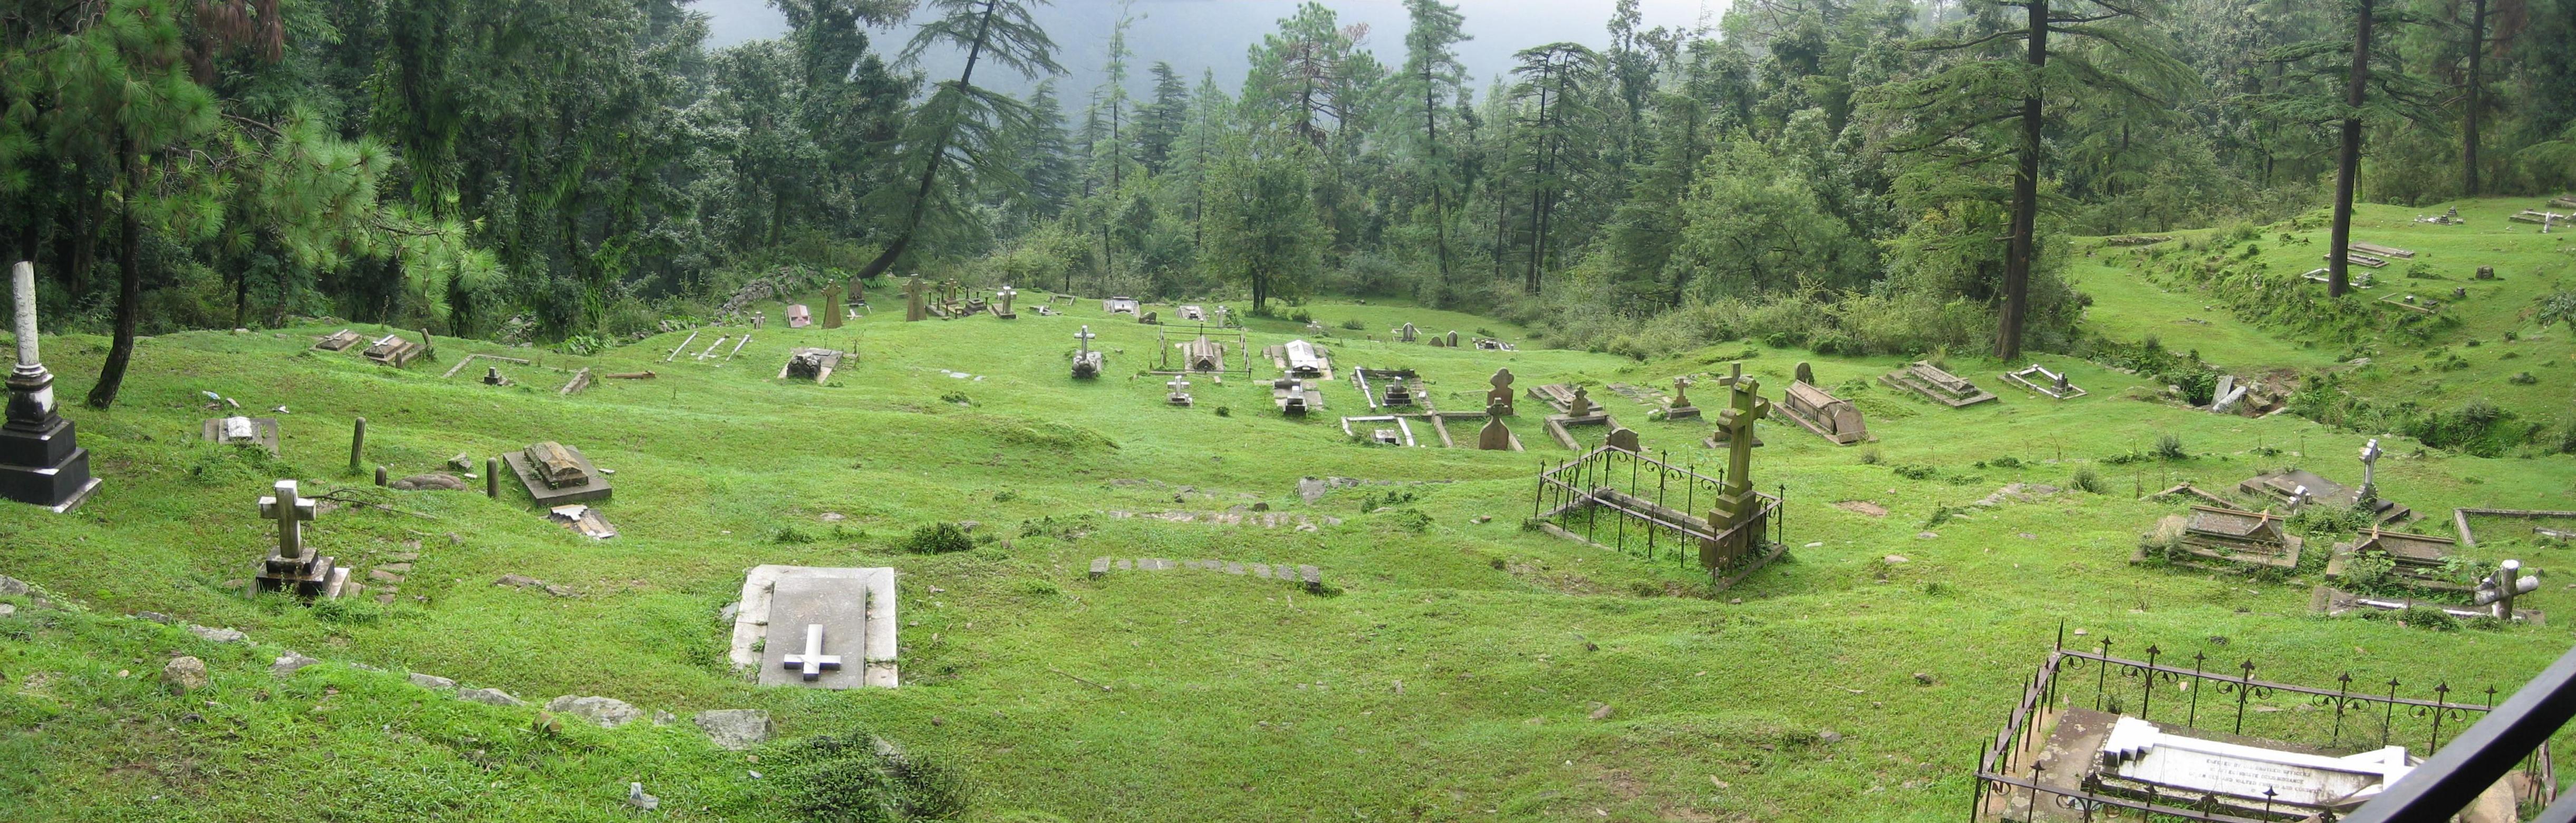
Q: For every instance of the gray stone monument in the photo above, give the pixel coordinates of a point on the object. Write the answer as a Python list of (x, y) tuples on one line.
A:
[(1500, 396), (1494, 436), (1002, 300), (291, 567), (2369, 472), (1086, 363), (825, 628), (41, 461)]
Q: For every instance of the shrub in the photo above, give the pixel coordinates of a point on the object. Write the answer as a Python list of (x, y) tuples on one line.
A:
[(2005, 462), (2169, 447), (2086, 480), (1354, 324), (2522, 379), (1871, 457), (1914, 471), (861, 778), (790, 535), (936, 538), (2429, 617), (1224, 411)]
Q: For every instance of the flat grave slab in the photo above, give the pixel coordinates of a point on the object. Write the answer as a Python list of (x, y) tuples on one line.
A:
[(855, 608)]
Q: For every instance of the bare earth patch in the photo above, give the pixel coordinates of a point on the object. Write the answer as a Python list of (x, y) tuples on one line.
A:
[(1862, 507)]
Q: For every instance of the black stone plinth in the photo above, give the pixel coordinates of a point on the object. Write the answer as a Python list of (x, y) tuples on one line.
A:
[(45, 466)]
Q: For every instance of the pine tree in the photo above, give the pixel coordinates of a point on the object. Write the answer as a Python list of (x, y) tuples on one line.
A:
[(1432, 81), (1163, 120), (1554, 94), (954, 129)]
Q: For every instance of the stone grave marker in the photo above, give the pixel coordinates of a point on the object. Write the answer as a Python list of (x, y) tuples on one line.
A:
[(810, 364), (239, 430), (556, 474), (291, 566), (1500, 396), (798, 316), (1086, 363), (826, 628), (914, 307), (832, 306), (1180, 395), (1623, 439), (1002, 303), (41, 460), (1495, 436)]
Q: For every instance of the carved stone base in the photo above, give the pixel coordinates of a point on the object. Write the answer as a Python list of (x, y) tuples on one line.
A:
[(46, 467)]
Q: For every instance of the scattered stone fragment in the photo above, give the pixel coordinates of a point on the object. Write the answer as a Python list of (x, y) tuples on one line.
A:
[(429, 482), (12, 585), (288, 663), (185, 674), (735, 729), (607, 712), (663, 718), (7, 610), (155, 617), (636, 797), (218, 635), (1893, 559), (515, 581), (1601, 711), (1924, 678), (1927, 535), (1829, 736), (493, 697), (431, 681), (382, 576), (397, 568)]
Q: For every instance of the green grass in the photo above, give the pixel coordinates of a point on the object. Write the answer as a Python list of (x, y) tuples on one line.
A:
[(1231, 698)]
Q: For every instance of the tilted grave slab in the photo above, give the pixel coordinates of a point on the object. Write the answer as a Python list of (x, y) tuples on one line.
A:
[(2209, 535), (1121, 305), (2297, 489), (1300, 358), (393, 350), (810, 364), (238, 430), (556, 474), (1937, 385), (1830, 417), (338, 341), (821, 628)]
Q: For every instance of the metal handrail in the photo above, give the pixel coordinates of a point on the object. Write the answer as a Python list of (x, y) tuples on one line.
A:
[(2455, 776)]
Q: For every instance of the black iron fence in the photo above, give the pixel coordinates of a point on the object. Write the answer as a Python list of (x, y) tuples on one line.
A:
[(2200, 693), (1627, 501)]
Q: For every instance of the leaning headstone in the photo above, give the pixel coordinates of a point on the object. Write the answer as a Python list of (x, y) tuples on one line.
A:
[(1806, 374), (1500, 396), (1494, 436)]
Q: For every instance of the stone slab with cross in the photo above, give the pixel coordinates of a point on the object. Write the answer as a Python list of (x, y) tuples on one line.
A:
[(290, 565), (1001, 306), (824, 613)]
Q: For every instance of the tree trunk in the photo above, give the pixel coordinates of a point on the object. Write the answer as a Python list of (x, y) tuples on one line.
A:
[(1431, 150), (1538, 191), (129, 248), (2348, 161), (930, 162), (2025, 212), (2476, 91)]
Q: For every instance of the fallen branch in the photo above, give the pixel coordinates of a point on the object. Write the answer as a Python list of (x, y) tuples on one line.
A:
[(1076, 677)]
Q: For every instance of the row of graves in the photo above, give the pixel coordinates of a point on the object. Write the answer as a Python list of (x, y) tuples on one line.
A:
[(1408, 333), (2097, 736), (1397, 399), (1617, 497), (2379, 569), (392, 349)]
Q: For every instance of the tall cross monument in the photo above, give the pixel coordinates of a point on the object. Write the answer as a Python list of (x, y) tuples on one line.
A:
[(1735, 519)]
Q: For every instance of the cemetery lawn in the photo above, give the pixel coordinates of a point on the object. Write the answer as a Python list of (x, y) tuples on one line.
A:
[(1460, 668)]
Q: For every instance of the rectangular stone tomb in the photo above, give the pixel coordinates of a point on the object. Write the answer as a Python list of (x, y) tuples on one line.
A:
[(338, 341), (2377, 249), (1921, 377), (1294, 396), (1120, 305), (2284, 488), (2418, 558), (393, 350), (1192, 313), (2138, 756), (556, 474), (1385, 428), (810, 364), (823, 628), (2038, 378), (1301, 359), (1830, 417), (246, 431), (1202, 355), (2210, 533), (1382, 388)]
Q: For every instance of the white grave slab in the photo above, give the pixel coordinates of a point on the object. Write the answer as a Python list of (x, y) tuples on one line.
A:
[(843, 614), (2137, 750)]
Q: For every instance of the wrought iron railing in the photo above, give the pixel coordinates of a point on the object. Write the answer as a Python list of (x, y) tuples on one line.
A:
[(2124, 686), (1623, 500)]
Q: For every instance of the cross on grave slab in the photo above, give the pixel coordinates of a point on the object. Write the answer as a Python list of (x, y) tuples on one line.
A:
[(290, 511), (1681, 392), (1178, 386), (2369, 468), (813, 662), (1005, 295), (1084, 336)]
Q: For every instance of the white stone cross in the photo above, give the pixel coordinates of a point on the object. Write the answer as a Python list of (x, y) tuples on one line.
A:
[(2369, 461), (290, 510), (1085, 336), (1178, 386), (812, 663), (1005, 294)]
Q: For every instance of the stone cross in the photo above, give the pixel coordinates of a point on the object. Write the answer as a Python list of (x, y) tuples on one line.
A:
[(912, 293), (1681, 392), (813, 662), (1582, 405), (1005, 294), (2369, 468), (756, 317), (1178, 385), (832, 306), (2501, 588), (290, 511), (1084, 337)]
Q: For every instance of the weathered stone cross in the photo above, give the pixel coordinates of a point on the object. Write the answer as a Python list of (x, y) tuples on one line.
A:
[(813, 662), (1085, 336), (290, 511), (2370, 462), (1006, 293)]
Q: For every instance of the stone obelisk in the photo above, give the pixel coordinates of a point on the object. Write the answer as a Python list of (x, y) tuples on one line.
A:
[(40, 461)]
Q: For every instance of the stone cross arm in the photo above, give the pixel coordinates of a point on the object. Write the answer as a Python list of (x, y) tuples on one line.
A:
[(813, 662), (286, 505)]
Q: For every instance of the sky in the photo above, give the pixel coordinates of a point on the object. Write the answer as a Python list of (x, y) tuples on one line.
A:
[(1195, 35)]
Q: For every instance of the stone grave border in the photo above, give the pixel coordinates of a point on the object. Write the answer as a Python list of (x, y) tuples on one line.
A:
[(1308, 577), (2011, 774), (1240, 355), (1593, 483), (2460, 519)]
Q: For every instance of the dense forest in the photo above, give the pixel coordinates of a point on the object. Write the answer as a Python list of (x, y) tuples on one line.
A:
[(1850, 175)]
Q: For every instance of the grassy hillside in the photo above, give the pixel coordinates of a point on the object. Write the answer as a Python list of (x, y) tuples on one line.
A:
[(1455, 674)]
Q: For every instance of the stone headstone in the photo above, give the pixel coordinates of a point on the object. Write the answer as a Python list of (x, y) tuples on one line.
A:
[(1806, 374), (736, 729), (1453, 338), (798, 316), (1406, 334), (1494, 436), (1581, 406), (1623, 439), (1500, 396), (832, 306), (915, 305)]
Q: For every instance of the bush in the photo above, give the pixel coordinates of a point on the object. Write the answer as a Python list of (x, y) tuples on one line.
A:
[(2005, 462), (790, 535), (1914, 471), (1354, 324), (2522, 379), (2086, 479), (1871, 457), (861, 778), (936, 538), (2429, 617), (2169, 447)]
